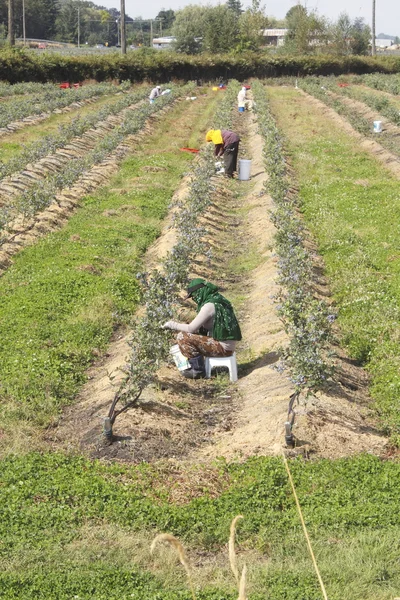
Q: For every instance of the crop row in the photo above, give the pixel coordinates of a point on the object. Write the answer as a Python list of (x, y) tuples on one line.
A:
[(389, 140), (350, 203), (306, 319), (42, 193), (50, 100), (380, 103), (149, 342), (65, 293), (28, 87), (50, 143)]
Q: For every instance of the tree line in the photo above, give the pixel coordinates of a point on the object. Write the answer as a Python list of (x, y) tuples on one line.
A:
[(223, 28)]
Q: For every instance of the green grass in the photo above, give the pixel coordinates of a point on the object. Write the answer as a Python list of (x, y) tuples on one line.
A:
[(14, 143), (89, 525), (351, 205), (63, 297)]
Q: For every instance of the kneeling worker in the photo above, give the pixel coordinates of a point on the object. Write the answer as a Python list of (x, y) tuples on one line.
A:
[(216, 318)]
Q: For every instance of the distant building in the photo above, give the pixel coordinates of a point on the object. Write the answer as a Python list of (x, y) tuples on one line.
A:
[(275, 37), (383, 42), (163, 43)]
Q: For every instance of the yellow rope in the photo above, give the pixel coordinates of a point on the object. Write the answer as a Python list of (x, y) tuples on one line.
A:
[(321, 583)]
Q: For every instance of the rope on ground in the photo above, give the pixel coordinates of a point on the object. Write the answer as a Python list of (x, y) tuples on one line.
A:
[(321, 583)]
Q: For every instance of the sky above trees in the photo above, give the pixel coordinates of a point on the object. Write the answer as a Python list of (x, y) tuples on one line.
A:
[(387, 11)]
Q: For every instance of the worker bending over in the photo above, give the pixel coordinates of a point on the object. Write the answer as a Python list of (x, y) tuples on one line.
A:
[(155, 93), (227, 145), (213, 332)]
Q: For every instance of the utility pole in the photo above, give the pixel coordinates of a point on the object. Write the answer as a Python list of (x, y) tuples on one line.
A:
[(373, 50), (151, 33), (11, 30), (23, 22), (123, 28), (79, 26)]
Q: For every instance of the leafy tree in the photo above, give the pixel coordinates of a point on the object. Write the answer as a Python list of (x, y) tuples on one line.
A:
[(307, 33), (251, 25), (188, 29), (361, 35), (67, 21), (167, 18), (235, 6), (341, 35), (220, 29), (350, 37)]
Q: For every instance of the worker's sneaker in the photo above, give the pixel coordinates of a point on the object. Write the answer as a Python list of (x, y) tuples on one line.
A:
[(197, 368)]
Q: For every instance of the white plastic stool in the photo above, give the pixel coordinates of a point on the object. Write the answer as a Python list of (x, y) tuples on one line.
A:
[(222, 361)]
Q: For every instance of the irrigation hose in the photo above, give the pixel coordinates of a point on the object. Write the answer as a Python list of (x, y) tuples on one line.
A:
[(321, 583)]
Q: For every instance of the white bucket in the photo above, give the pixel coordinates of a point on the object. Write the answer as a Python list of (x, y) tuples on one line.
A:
[(377, 126), (244, 169), (181, 361)]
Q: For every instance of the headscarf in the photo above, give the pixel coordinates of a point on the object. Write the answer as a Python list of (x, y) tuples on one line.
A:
[(225, 325), (215, 136)]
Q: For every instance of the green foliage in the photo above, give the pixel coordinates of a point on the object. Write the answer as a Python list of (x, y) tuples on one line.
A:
[(209, 28), (16, 66), (188, 28), (349, 37), (307, 31), (45, 499)]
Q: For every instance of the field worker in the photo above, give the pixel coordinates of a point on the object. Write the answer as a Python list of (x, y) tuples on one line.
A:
[(242, 99), (226, 145), (213, 332), (155, 93)]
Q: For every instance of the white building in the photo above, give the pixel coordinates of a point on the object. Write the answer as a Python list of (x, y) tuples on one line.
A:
[(163, 43), (275, 37), (383, 42)]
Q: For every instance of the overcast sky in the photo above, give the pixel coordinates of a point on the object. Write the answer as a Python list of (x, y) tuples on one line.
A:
[(387, 11)]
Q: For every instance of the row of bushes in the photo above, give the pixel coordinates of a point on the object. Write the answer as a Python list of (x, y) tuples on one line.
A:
[(19, 65)]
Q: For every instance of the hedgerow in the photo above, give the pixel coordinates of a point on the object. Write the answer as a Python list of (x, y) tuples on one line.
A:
[(17, 66)]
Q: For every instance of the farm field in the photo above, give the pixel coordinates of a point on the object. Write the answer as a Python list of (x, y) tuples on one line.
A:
[(307, 250)]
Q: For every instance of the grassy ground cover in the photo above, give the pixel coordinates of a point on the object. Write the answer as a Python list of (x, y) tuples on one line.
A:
[(74, 528), (387, 139), (14, 142), (63, 297), (348, 201)]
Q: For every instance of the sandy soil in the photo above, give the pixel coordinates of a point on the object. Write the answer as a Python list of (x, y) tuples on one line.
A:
[(201, 420)]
